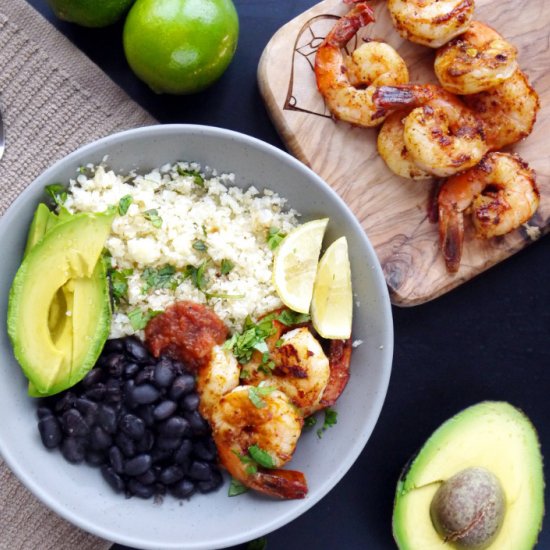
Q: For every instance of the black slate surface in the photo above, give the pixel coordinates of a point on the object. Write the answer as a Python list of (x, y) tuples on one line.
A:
[(488, 339)]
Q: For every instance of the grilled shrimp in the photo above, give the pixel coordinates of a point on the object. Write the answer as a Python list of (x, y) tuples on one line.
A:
[(442, 136), (392, 149), (431, 22), (475, 61), (347, 83), (500, 193), (256, 430), (300, 369), (508, 111)]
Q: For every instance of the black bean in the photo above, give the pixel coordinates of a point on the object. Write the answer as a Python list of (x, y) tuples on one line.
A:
[(179, 367), (146, 374), (132, 426), (140, 490), (183, 489), (164, 373), (73, 449), (174, 427), (145, 444), (205, 449), (112, 478), (145, 412), (147, 478), (94, 458), (127, 392), (144, 394), (114, 345), (181, 456), (171, 474), (65, 402), (198, 424), (43, 412), (165, 442), (92, 378), (160, 456), (50, 431), (89, 409), (100, 439), (96, 392), (73, 423), (131, 370), (113, 392), (136, 349), (182, 385), (138, 465), (116, 459), (211, 484), (125, 444), (164, 409), (200, 471), (190, 402), (114, 363), (107, 418)]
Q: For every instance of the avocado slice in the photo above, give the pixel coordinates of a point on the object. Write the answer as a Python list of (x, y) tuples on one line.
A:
[(494, 436), (68, 251), (43, 220)]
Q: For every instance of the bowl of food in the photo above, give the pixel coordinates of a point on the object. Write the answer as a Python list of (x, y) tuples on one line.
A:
[(180, 369)]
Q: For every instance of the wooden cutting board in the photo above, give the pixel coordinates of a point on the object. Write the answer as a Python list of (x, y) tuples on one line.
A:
[(392, 210)]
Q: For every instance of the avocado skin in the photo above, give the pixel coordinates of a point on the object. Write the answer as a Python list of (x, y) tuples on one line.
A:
[(503, 438), (69, 251)]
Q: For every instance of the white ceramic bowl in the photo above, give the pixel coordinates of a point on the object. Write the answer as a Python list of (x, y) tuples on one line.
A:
[(78, 493)]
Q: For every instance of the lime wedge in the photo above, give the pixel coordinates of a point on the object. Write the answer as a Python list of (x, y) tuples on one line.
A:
[(295, 264), (332, 304)]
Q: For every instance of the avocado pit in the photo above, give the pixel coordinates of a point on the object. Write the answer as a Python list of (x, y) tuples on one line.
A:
[(468, 509)]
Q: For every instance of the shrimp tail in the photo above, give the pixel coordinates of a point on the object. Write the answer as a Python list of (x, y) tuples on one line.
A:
[(339, 360), (347, 26), (402, 96), (287, 484), (451, 237)]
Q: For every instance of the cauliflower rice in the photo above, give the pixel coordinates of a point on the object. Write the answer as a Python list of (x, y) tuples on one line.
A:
[(179, 219)]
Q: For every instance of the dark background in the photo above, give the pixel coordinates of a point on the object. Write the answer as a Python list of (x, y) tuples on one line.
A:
[(485, 340)]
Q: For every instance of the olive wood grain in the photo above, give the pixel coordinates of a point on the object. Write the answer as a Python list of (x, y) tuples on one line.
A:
[(392, 210)]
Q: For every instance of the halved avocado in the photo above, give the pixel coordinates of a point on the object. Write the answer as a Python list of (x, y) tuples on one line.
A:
[(68, 251), (43, 220), (491, 435)]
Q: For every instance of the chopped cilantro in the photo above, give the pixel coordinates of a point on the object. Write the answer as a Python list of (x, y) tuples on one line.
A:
[(263, 458), (310, 421), (244, 375), (200, 246), (253, 334), (236, 488), (196, 274), (251, 467), (274, 237), (153, 216), (139, 319), (257, 544), (290, 318), (267, 367), (163, 277), (57, 192), (124, 203), (195, 174), (227, 266), (119, 283), (331, 418), (256, 393)]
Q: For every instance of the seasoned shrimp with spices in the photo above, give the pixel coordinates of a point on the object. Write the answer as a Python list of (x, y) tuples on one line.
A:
[(441, 135), (508, 111), (256, 429), (392, 148), (500, 193), (347, 83), (475, 61), (431, 22)]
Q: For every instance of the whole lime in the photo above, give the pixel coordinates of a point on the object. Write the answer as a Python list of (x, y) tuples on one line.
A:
[(180, 46), (90, 13)]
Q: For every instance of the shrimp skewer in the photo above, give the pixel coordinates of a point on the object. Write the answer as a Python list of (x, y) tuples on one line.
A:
[(500, 193), (348, 83), (508, 111), (442, 136), (431, 22), (475, 61), (256, 430)]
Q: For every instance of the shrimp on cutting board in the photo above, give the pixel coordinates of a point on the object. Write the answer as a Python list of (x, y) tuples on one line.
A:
[(347, 83), (508, 111), (442, 136), (500, 194), (256, 429), (431, 22), (475, 61)]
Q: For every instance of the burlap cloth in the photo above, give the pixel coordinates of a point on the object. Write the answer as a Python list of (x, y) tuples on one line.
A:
[(53, 100)]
